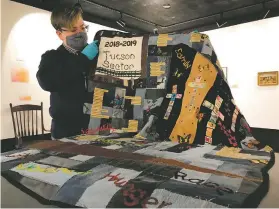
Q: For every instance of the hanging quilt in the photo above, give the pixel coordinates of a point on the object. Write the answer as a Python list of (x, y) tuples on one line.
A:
[(166, 87)]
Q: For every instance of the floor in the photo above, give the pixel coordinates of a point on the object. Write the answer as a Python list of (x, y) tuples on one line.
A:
[(9, 193), (271, 200)]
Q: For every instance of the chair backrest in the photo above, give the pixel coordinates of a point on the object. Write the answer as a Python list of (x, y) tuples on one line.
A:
[(25, 119)]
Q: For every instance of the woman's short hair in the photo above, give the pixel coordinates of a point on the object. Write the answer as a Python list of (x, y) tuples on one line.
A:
[(66, 16)]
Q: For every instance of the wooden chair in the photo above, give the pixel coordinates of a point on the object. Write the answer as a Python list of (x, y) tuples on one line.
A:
[(25, 120)]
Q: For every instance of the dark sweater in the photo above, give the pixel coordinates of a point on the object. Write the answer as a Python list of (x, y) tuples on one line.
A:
[(63, 74)]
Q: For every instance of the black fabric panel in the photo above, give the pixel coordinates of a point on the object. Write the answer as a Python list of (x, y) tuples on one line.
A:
[(254, 199), (130, 164), (181, 147), (259, 153), (164, 127), (66, 155)]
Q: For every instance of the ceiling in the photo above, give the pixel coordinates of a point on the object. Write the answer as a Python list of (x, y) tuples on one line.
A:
[(181, 16)]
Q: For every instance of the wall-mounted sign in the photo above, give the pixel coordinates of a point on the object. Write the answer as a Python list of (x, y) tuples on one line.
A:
[(268, 78), (120, 57)]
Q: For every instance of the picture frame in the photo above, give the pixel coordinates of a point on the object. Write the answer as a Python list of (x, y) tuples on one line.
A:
[(268, 78)]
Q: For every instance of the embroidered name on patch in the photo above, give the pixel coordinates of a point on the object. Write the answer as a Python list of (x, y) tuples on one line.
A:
[(133, 196), (179, 54), (219, 189)]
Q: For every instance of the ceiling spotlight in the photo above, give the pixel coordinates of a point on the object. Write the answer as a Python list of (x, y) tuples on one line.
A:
[(166, 6)]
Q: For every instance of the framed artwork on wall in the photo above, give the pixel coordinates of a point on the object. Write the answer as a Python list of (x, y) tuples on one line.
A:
[(268, 78)]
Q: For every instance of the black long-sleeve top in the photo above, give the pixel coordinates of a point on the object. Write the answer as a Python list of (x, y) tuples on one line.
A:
[(63, 74)]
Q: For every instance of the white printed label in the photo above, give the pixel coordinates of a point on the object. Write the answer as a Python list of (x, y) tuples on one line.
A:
[(120, 57)]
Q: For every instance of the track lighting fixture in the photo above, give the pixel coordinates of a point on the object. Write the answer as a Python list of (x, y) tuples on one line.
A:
[(265, 11), (120, 22), (221, 23)]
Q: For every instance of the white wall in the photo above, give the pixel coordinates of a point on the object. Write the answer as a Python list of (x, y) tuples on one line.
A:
[(26, 35), (247, 49)]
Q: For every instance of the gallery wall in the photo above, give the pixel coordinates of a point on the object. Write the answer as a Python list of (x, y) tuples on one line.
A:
[(247, 49), (26, 35)]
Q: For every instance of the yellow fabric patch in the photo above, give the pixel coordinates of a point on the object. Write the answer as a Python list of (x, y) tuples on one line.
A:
[(155, 68), (135, 100), (87, 137), (196, 37), (97, 105), (163, 40), (132, 127), (255, 161), (37, 168), (187, 121), (233, 152), (267, 148)]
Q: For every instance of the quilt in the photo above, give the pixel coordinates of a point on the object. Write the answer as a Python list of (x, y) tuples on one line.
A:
[(166, 87), (139, 174), (163, 132)]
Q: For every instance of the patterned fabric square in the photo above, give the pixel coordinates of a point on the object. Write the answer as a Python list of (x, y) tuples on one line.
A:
[(81, 158), (13, 155), (44, 173)]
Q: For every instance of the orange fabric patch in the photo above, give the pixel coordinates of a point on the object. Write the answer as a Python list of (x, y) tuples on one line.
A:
[(187, 121)]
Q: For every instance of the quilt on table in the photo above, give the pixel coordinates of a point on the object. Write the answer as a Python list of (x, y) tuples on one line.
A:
[(163, 87), (140, 175)]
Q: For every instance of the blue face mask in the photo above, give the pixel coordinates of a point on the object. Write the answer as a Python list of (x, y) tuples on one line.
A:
[(77, 41)]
